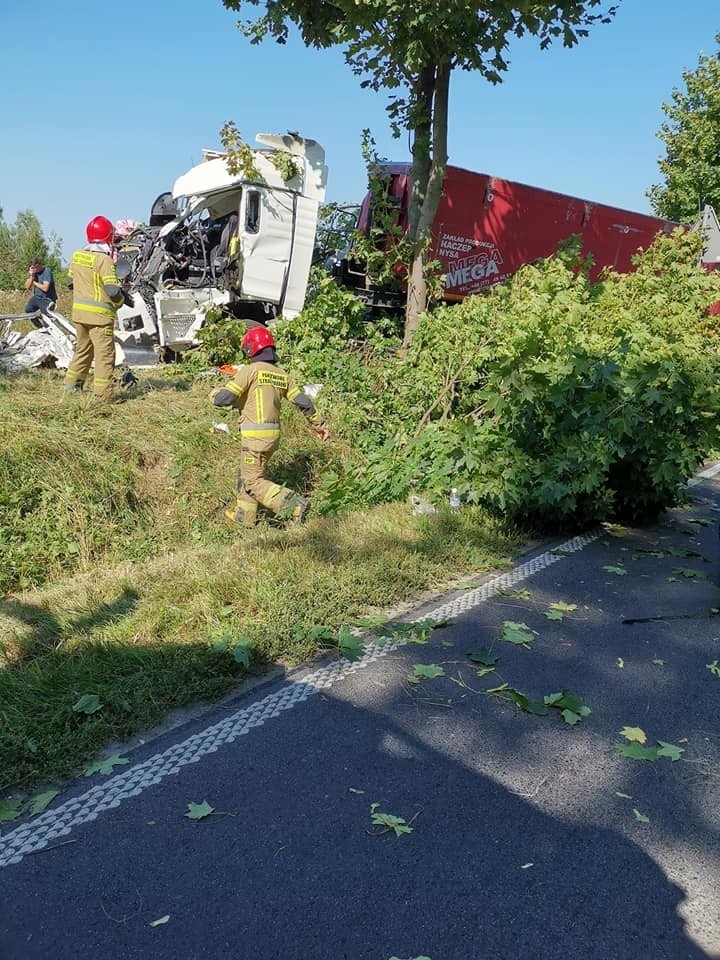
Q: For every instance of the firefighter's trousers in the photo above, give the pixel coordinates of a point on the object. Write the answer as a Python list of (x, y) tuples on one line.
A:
[(93, 341), (253, 487)]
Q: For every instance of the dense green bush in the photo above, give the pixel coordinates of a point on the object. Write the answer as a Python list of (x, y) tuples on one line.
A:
[(550, 399)]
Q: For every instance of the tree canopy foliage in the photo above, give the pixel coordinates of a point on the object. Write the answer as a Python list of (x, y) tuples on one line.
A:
[(409, 49), (691, 134), (20, 243)]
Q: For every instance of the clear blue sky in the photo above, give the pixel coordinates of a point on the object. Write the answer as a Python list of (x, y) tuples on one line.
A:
[(106, 104)]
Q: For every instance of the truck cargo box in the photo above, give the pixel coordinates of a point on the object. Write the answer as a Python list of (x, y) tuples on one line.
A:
[(486, 227)]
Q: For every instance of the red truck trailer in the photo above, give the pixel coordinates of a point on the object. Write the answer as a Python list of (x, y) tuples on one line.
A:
[(486, 228)]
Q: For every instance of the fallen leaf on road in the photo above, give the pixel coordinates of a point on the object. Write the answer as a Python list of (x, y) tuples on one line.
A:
[(518, 633), (425, 671), (389, 822), (670, 750), (634, 734), (640, 817), (634, 751), (198, 811), (160, 921), (105, 766), (484, 657)]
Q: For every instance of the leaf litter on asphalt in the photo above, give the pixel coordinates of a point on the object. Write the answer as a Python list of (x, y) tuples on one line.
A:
[(106, 765), (517, 633), (389, 822), (198, 811), (425, 671), (634, 734), (571, 707), (557, 610)]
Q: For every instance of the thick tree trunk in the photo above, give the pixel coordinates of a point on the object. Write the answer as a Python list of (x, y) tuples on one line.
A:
[(434, 156)]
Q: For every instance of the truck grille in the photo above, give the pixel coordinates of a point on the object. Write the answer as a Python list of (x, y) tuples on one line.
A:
[(177, 326)]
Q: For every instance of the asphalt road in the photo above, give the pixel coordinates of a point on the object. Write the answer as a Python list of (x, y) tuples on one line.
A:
[(526, 832)]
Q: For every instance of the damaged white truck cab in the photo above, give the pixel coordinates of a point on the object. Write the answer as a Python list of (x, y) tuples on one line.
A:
[(241, 242)]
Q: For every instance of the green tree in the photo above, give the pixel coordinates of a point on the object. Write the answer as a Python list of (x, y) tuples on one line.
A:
[(691, 134), (410, 48), (21, 242)]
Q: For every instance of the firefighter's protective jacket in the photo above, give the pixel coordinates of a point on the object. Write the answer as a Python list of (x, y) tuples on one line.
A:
[(256, 391), (96, 289)]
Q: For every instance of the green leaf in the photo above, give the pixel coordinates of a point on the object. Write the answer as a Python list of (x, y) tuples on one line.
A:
[(670, 750), (106, 765), (634, 734), (198, 811), (714, 668), (567, 701), (620, 662), (520, 594), (352, 650), (554, 614), (689, 573), (242, 651), (640, 817), (634, 751), (88, 703), (10, 810), (658, 662), (536, 707), (483, 656), (40, 801), (618, 571), (623, 796), (350, 645), (425, 671), (518, 633), (484, 671), (563, 607), (570, 717), (388, 820)]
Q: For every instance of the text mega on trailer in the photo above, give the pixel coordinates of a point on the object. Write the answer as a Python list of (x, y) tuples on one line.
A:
[(486, 228)]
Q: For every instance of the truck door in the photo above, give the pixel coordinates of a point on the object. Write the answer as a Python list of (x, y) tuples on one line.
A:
[(265, 230)]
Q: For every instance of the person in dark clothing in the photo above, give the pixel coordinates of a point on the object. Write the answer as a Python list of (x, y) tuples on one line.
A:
[(41, 285)]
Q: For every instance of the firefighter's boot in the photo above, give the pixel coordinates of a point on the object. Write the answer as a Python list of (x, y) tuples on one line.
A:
[(243, 513), (299, 507)]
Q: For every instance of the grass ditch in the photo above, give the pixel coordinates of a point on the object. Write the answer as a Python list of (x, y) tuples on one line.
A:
[(121, 582)]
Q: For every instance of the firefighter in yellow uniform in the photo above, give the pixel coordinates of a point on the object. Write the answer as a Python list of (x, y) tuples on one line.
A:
[(256, 391), (97, 294)]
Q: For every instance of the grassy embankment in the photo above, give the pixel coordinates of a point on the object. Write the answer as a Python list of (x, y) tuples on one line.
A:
[(119, 580)]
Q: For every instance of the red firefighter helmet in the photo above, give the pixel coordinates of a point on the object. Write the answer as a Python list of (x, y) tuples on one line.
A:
[(255, 340), (99, 230)]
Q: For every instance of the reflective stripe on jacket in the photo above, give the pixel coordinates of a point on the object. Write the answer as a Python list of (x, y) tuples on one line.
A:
[(257, 391), (96, 288)]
